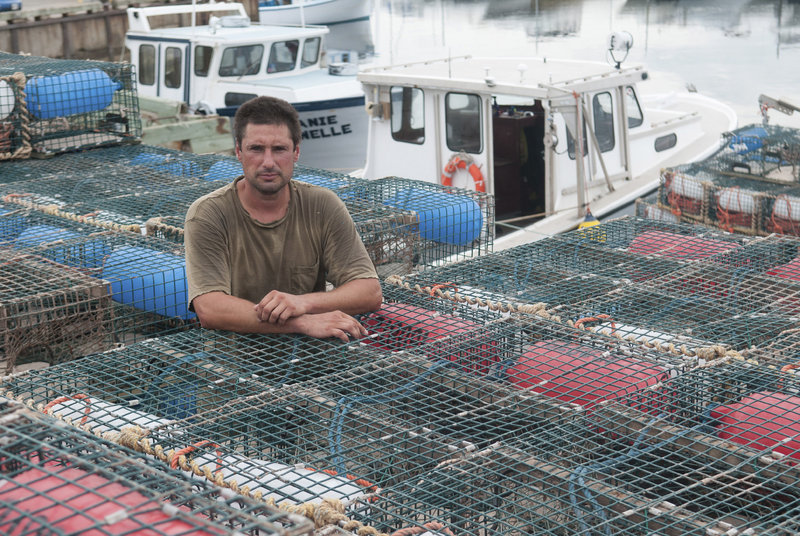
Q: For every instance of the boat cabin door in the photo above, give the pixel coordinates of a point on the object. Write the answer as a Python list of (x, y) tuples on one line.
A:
[(461, 141), (162, 67), (173, 67)]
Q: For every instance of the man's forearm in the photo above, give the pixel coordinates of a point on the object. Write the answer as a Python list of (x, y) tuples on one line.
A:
[(354, 297), (217, 310)]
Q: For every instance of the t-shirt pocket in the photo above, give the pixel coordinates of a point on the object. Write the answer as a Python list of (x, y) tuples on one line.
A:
[(304, 278)]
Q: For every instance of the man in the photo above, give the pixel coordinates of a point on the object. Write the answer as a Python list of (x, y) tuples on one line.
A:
[(260, 249)]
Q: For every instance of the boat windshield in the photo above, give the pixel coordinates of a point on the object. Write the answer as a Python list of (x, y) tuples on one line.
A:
[(241, 60), (283, 56)]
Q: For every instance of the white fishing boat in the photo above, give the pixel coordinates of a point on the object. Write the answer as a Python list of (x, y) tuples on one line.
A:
[(507, 126), (217, 66), (313, 11)]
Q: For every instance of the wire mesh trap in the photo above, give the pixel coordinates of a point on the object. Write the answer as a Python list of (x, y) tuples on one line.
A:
[(49, 312), (767, 152), (60, 480), (124, 185), (710, 451), (144, 277), (695, 308), (64, 105), (453, 223)]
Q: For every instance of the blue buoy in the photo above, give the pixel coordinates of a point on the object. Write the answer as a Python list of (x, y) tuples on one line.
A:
[(748, 140), (224, 170), (63, 246), (11, 225), (149, 280), (71, 93), (443, 217)]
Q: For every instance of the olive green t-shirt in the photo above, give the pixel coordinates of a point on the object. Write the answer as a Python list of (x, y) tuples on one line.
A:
[(229, 251)]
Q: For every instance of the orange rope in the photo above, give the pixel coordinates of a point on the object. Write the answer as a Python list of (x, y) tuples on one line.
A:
[(191, 448), (433, 525), (438, 286), (10, 197), (78, 396), (598, 318)]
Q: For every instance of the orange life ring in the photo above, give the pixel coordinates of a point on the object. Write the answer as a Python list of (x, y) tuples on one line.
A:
[(462, 161)]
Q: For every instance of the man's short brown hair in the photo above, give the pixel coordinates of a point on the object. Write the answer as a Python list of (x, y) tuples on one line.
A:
[(266, 111)]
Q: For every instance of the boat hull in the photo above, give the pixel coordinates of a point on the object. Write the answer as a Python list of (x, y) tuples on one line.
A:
[(315, 12), (334, 133)]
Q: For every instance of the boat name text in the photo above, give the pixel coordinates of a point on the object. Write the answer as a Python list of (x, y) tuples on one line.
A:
[(324, 127)]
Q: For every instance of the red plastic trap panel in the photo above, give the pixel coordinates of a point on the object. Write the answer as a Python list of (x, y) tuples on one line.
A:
[(580, 374), (396, 327), (765, 420), (72, 501)]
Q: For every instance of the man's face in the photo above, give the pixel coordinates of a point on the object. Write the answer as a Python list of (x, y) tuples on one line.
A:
[(267, 155)]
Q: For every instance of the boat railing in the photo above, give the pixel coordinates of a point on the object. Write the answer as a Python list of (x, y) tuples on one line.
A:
[(139, 17), (378, 68)]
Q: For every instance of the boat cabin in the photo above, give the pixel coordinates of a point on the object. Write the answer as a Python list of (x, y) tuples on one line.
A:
[(509, 126), (215, 60), (212, 57)]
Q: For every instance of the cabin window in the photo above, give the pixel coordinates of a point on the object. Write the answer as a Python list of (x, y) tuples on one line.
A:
[(571, 142), (283, 56), (310, 52), (666, 142), (202, 60), (603, 115), (147, 65), (632, 108), (462, 115), (172, 67), (237, 99), (408, 115), (240, 61)]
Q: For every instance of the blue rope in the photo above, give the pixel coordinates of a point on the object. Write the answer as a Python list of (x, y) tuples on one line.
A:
[(344, 404), (576, 478)]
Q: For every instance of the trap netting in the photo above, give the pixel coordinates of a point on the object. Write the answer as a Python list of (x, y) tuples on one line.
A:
[(651, 210), (767, 152), (781, 352), (298, 420), (51, 106), (125, 185), (710, 451), (60, 480), (452, 223), (49, 312), (730, 202), (575, 266), (144, 278)]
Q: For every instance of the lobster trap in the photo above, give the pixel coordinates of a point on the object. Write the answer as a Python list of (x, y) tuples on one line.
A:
[(661, 482), (49, 312), (50, 106), (710, 451), (766, 152), (145, 278), (123, 186), (59, 479), (452, 223)]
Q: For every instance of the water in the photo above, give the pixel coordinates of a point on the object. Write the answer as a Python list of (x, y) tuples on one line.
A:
[(732, 50)]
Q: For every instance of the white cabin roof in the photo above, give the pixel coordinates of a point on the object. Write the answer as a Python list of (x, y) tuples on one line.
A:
[(255, 33), (533, 77)]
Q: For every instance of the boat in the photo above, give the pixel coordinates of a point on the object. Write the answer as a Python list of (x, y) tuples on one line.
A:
[(507, 126), (217, 66), (313, 11)]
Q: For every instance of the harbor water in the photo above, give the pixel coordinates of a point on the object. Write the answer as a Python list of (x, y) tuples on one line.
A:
[(732, 50)]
